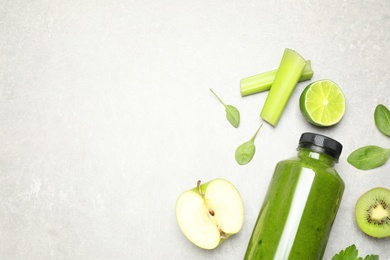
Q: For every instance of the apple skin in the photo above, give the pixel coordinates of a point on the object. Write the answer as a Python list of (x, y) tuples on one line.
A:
[(199, 197)]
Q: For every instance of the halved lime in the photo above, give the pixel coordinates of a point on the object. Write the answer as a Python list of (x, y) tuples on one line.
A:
[(322, 103)]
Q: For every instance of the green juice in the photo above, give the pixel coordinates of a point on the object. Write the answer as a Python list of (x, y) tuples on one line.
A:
[(300, 205)]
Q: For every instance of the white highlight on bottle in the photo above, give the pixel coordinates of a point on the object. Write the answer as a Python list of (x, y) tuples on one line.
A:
[(298, 204)]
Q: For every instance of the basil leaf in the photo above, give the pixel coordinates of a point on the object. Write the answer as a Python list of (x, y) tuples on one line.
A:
[(382, 119), (369, 157), (232, 113), (245, 152)]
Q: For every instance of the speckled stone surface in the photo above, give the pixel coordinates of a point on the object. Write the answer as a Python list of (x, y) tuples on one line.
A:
[(106, 117)]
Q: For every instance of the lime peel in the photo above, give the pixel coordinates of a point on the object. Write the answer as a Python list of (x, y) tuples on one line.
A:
[(322, 103)]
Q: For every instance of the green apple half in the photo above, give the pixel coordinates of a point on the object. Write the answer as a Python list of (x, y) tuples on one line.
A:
[(210, 213)]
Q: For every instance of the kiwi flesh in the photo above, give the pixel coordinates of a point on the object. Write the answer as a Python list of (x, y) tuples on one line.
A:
[(372, 212)]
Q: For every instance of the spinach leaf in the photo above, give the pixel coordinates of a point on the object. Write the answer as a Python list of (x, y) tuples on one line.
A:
[(245, 152), (382, 119), (232, 113), (369, 157)]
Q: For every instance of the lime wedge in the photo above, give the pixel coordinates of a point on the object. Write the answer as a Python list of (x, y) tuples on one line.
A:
[(322, 103)]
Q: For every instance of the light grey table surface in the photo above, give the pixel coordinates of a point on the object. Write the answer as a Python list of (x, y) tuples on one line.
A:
[(106, 117)]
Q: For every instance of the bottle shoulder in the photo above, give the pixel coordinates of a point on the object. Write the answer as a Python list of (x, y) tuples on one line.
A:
[(307, 162), (317, 166)]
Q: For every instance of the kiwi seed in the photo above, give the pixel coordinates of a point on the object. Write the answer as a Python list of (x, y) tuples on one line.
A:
[(372, 212)]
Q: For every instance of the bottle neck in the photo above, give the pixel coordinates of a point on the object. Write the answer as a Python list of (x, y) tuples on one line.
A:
[(323, 158)]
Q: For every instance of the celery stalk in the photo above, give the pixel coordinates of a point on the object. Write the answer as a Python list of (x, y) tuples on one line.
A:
[(287, 76), (263, 81)]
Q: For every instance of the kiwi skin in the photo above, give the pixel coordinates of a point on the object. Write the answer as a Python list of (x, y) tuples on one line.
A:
[(375, 200)]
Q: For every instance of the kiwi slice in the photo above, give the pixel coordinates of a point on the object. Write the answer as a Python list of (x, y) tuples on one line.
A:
[(372, 212)]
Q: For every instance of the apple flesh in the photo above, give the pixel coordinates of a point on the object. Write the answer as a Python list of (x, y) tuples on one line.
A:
[(210, 213)]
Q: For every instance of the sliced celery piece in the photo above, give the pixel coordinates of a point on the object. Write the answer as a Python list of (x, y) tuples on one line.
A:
[(263, 81), (287, 76)]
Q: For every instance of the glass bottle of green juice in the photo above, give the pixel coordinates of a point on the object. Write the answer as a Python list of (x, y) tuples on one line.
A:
[(301, 203)]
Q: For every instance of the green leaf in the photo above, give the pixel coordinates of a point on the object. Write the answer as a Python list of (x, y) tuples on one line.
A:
[(351, 253), (382, 119), (369, 157), (245, 152), (232, 113)]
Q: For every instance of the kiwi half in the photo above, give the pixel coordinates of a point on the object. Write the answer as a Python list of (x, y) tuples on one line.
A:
[(372, 212)]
